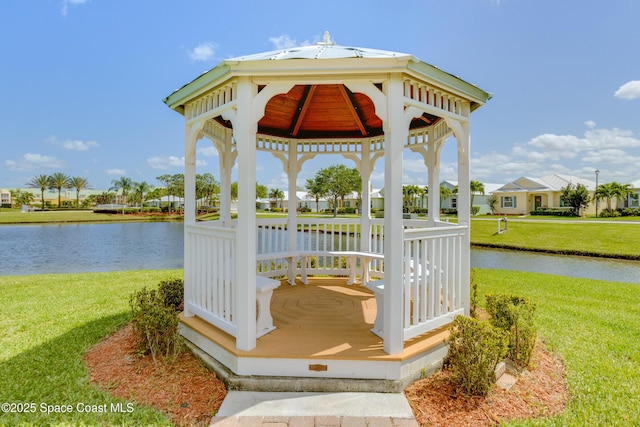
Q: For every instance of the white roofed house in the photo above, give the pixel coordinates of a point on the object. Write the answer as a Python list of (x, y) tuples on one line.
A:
[(295, 104), (633, 198), (525, 194)]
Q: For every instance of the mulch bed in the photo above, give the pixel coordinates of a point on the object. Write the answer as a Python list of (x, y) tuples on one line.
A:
[(189, 394), (539, 392)]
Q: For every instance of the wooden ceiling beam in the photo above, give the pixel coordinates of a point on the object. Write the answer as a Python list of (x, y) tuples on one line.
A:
[(426, 120), (355, 112), (303, 106)]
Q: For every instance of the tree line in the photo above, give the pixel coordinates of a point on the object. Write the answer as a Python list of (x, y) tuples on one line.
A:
[(334, 183)]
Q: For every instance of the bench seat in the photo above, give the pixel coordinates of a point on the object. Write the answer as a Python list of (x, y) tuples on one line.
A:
[(264, 292), (351, 257)]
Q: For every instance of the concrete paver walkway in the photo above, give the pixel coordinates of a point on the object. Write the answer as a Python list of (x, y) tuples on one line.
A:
[(248, 408)]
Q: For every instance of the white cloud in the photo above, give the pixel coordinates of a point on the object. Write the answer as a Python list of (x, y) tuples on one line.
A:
[(31, 162), (168, 162), (66, 3), (611, 156), (613, 151), (208, 151), (203, 52), (629, 90), (551, 147), (285, 41), (280, 181), (119, 172), (78, 145), (72, 144)]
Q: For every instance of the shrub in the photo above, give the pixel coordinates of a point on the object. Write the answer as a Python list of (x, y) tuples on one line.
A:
[(151, 209), (627, 212), (172, 293), (475, 210), (609, 213), (155, 325), (554, 211), (475, 348), (514, 315)]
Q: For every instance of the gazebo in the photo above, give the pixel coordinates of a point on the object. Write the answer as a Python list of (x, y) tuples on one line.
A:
[(299, 103)]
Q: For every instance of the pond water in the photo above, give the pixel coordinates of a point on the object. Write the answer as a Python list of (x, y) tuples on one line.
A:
[(72, 248)]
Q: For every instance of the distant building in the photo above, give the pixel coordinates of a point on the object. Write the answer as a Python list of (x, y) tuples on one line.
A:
[(525, 194), (633, 199), (5, 198)]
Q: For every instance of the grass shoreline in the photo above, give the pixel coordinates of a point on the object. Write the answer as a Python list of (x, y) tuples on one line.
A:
[(591, 254)]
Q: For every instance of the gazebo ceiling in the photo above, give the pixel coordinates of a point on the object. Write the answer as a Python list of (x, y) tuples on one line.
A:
[(324, 111)]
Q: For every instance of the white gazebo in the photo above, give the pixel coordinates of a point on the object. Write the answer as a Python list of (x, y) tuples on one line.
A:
[(298, 103)]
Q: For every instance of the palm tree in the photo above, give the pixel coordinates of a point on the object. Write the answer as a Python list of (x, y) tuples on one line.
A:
[(610, 191), (140, 189), (316, 188), (476, 187), (41, 182), (276, 194), (444, 193), (58, 181), (79, 184), (124, 184)]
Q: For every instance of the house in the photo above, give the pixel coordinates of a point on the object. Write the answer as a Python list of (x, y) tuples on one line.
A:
[(5, 198), (633, 199), (302, 200), (448, 202), (526, 194)]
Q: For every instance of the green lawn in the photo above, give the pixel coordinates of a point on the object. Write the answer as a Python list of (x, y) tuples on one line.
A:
[(594, 238), (47, 322), (595, 327), (16, 217)]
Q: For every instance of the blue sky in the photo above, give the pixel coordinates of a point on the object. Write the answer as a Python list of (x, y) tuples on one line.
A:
[(82, 81)]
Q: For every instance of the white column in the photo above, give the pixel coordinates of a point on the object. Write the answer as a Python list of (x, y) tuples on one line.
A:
[(292, 219), (433, 167), (189, 219), (226, 160), (464, 208), (191, 132), (365, 175), (395, 136), (245, 129)]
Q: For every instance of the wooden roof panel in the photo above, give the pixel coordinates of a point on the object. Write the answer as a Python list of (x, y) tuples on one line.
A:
[(324, 111)]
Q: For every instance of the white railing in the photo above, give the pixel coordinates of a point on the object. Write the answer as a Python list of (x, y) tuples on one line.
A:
[(209, 270), (432, 278), (315, 235)]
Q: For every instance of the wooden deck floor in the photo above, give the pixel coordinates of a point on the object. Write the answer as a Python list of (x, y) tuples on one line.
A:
[(325, 320)]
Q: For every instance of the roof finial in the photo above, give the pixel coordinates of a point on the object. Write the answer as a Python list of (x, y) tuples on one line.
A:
[(326, 39)]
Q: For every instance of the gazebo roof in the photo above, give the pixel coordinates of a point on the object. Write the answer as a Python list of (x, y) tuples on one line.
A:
[(320, 105), (322, 50)]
